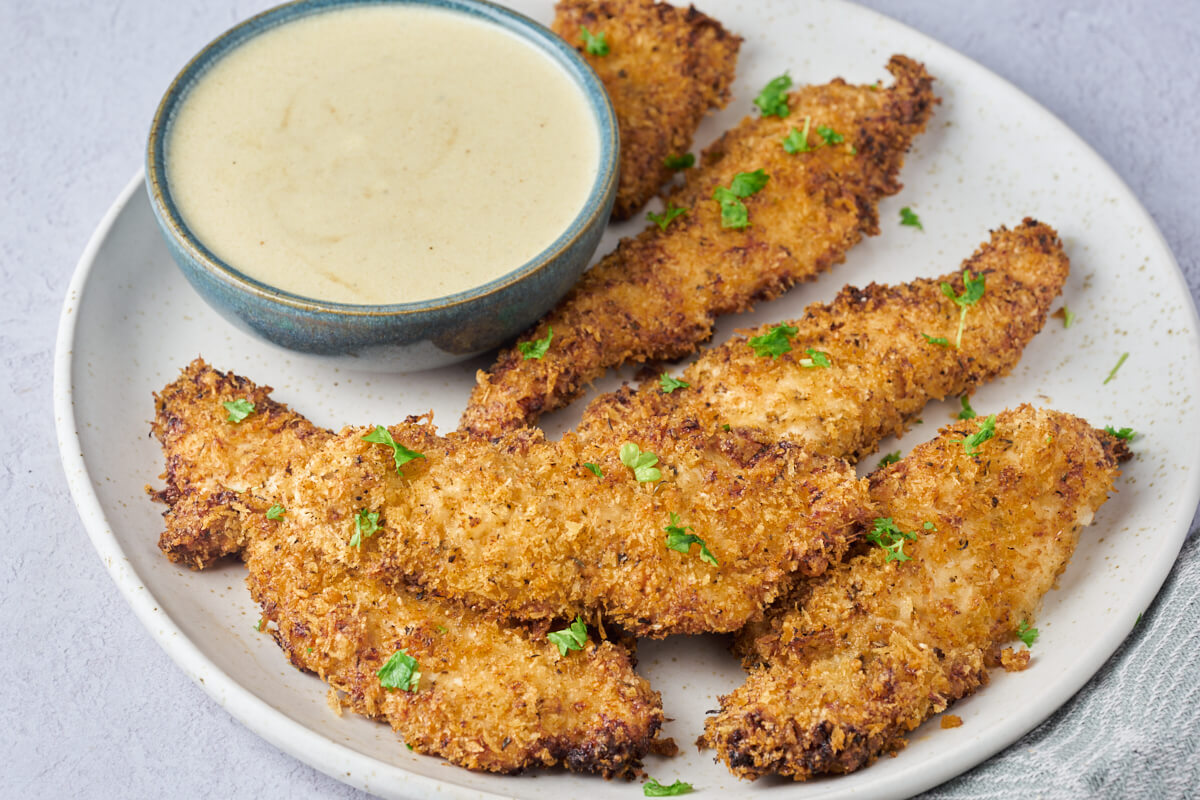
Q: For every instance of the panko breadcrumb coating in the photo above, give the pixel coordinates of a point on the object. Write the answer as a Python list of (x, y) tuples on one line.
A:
[(665, 69), (490, 697), (883, 369), (866, 653), (656, 296)]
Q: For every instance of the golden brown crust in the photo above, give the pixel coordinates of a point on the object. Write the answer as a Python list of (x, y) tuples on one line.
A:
[(883, 369), (666, 68), (656, 295), (876, 648), (491, 697)]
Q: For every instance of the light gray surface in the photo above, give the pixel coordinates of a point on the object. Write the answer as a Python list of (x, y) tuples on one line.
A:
[(92, 707)]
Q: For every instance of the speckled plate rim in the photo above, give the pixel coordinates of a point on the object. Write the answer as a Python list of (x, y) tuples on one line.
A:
[(353, 768)]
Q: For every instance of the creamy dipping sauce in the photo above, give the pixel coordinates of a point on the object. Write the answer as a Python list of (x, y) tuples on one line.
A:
[(382, 154)]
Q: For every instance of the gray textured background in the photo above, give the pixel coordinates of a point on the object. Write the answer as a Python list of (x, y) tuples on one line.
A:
[(92, 707)]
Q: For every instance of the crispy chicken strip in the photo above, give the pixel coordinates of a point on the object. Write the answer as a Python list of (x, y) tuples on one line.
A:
[(656, 295), (665, 69), (883, 369), (490, 697), (876, 647)]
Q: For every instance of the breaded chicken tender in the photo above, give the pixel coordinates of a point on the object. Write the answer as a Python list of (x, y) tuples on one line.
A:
[(879, 644), (522, 528), (664, 68), (489, 697), (883, 368), (656, 296)]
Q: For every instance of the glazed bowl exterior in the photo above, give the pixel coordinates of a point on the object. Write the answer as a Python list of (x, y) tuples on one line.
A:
[(400, 337)]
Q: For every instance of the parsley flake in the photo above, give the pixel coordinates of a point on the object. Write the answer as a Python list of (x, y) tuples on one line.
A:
[(1027, 634), (666, 217), (733, 210), (238, 410), (890, 458), (258, 626), (772, 100), (537, 347), (669, 384), (986, 431), (973, 289), (641, 463), (400, 454), (1111, 375), (1124, 433), (829, 135), (677, 163), (929, 526), (572, 637), (276, 511), (891, 539), (1068, 316), (815, 359), (797, 140), (967, 412), (594, 469), (594, 44), (909, 217), (400, 672), (775, 342), (653, 788), (941, 341), (680, 540), (365, 524)]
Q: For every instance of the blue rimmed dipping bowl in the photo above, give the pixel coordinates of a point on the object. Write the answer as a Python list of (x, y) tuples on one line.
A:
[(399, 337)]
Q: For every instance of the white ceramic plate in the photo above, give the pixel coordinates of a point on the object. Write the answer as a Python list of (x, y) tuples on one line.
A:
[(990, 157)]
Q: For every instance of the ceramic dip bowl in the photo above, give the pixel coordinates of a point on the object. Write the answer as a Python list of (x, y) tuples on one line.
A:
[(387, 332)]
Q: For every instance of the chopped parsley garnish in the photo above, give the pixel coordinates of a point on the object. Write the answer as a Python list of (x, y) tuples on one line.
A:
[(258, 626), (1068, 316), (891, 539), (400, 454), (594, 469), (1111, 375), (772, 100), (238, 409), (365, 524), (276, 511), (572, 637), (1027, 634), (1124, 433), (890, 458), (929, 526), (829, 135), (733, 210), (680, 540), (664, 219), (815, 359), (594, 44), (973, 289), (653, 788), (669, 384), (400, 672), (909, 217), (987, 430), (641, 463), (967, 412), (797, 140), (726, 427), (745, 184), (679, 162), (775, 342), (941, 341), (537, 347)]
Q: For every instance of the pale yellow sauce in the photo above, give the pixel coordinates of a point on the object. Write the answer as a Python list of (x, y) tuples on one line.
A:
[(382, 155)]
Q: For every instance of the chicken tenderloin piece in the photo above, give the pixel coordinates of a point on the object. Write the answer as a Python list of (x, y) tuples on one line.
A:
[(656, 296), (664, 68), (489, 697), (882, 365), (968, 545)]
